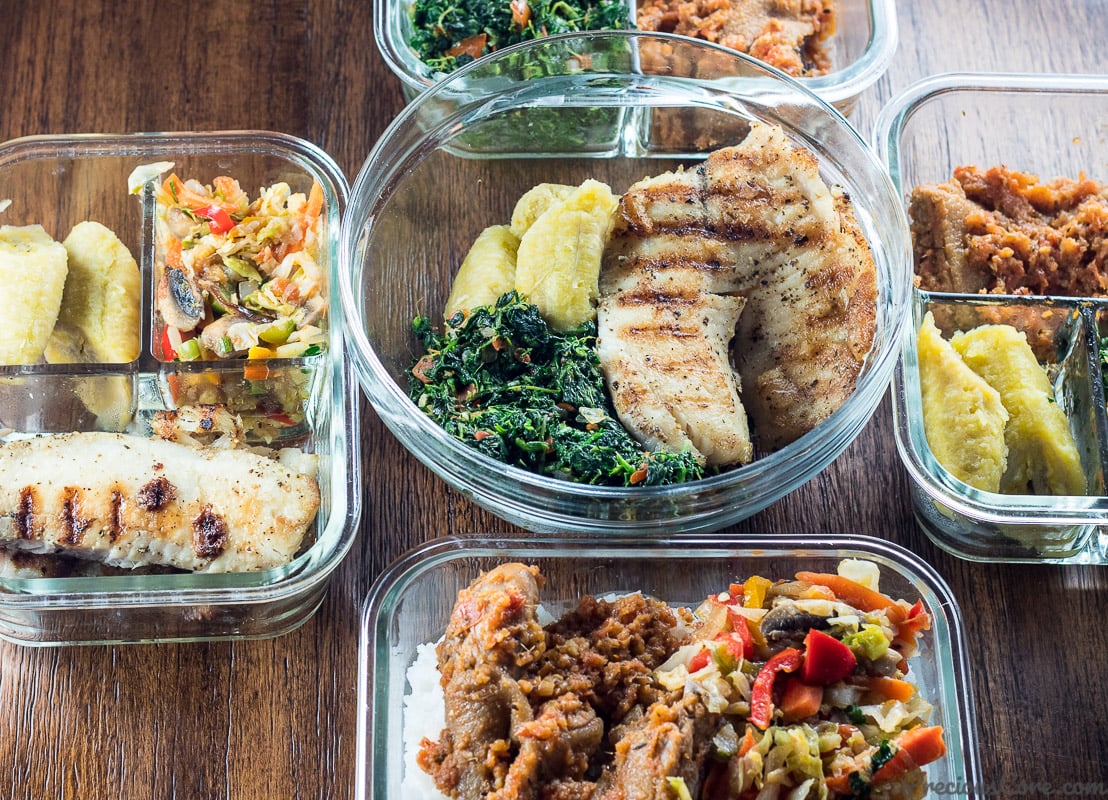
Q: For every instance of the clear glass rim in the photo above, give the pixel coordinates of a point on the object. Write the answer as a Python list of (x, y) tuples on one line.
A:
[(895, 114)]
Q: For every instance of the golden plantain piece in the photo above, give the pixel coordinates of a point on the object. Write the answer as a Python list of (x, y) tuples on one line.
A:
[(535, 201), (32, 277), (558, 263), (963, 416), (488, 271), (1042, 454), (100, 313)]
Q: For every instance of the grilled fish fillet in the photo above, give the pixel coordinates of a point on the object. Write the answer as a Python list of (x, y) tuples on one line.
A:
[(664, 346), (130, 501), (757, 222)]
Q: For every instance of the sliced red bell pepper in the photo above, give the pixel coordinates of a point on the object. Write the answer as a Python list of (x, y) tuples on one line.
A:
[(219, 221), (826, 659), (761, 700), (700, 660), (742, 630), (168, 353)]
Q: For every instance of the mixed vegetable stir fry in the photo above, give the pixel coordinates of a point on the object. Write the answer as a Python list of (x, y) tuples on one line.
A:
[(500, 380), (238, 278), (810, 678)]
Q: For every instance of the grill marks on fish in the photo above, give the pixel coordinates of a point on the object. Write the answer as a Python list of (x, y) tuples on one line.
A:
[(209, 534), (128, 501), (25, 513), (766, 255), (157, 494), (74, 524), (115, 517)]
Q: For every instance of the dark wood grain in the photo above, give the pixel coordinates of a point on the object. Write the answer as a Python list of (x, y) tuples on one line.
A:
[(277, 718)]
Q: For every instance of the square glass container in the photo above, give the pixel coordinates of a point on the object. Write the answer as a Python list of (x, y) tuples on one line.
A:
[(57, 181), (860, 49), (411, 602), (1052, 126), (419, 203)]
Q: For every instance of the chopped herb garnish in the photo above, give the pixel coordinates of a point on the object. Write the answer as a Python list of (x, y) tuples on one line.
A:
[(1104, 364), (855, 715), (858, 785), (883, 754)]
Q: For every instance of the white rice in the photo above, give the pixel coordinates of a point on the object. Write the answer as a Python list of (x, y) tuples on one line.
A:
[(424, 715)]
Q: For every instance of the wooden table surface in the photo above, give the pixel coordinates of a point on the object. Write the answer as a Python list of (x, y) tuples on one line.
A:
[(277, 718)]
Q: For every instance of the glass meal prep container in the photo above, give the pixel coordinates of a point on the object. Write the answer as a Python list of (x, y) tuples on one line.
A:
[(411, 602), (423, 196), (307, 402), (1051, 126), (860, 49)]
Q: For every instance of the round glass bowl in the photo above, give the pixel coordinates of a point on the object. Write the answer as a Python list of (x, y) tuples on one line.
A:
[(614, 106)]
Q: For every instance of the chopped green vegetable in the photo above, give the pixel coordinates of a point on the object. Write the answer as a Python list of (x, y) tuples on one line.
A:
[(277, 332), (189, 350), (1104, 363), (883, 754), (451, 33), (870, 642), (678, 787), (859, 785), (855, 715), (505, 384), (242, 268)]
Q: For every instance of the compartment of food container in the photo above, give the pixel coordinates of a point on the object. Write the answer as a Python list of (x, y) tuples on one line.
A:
[(57, 598), (859, 50), (980, 121), (411, 602), (418, 206), (1035, 511)]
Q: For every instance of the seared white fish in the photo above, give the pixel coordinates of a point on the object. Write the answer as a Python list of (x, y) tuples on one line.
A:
[(664, 347), (754, 221), (130, 501)]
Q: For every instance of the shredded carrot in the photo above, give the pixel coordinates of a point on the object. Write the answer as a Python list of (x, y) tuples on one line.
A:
[(228, 194), (173, 253), (891, 689), (419, 371), (255, 371), (914, 748), (853, 593), (639, 475), (521, 13), (472, 47), (748, 743), (315, 205), (840, 784)]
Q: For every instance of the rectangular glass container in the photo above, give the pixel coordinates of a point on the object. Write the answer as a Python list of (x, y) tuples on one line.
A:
[(860, 49), (57, 181), (1052, 126), (411, 602)]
